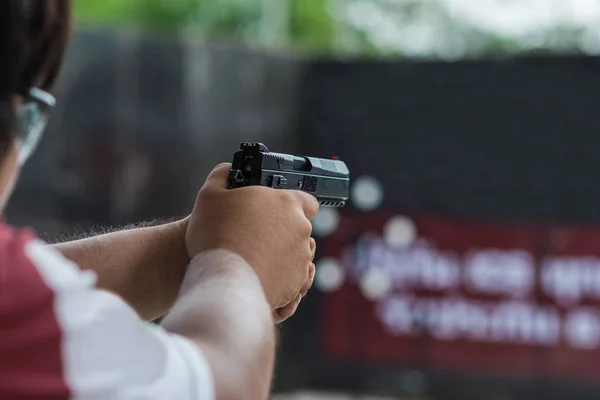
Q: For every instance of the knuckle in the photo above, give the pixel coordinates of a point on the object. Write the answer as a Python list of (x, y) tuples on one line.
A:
[(311, 205), (258, 195), (223, 165), (206, 191), (203, 194), (305, 227), (288, 196), (311, 201), (249, 191), (308, 258), (306, 288), (315, 209), (288, 199)]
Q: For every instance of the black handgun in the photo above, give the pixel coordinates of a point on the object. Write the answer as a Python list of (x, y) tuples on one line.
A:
[(327, 180)]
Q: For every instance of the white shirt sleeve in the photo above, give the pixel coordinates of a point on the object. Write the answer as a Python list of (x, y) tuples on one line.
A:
[(107, 351)]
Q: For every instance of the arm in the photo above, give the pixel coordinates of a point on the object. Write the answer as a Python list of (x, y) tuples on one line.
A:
[(145, 266), (219, 343), (223, 310)]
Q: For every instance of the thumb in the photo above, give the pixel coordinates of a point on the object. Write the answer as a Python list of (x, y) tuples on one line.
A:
[(217, 179)]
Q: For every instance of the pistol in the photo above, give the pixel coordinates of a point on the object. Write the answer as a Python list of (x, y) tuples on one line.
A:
[(326, 179)]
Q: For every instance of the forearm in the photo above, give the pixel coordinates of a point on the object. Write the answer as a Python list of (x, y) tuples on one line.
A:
[(145, 266), (223, 309)]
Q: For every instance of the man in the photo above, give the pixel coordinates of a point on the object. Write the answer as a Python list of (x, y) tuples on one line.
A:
[(244, 257)]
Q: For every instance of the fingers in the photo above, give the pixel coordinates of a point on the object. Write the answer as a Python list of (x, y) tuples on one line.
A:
[(286, 312), (217, 179), (311, 278), (310, 204), (283, 313), (311, 270)]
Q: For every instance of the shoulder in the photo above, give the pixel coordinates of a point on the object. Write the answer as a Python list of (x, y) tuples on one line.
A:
[(28, 265), (17, 269), (31, 272), (30, 330), (58, 328)]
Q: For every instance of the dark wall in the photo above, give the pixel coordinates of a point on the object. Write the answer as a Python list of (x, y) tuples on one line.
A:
[(506, 140)]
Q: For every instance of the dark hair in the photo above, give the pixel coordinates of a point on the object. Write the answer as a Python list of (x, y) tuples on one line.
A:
[(33, 39)]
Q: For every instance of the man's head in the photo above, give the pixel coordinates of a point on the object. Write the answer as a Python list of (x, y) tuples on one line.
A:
[(33, 38)]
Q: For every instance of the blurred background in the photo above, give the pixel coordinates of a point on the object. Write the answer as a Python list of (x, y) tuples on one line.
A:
[(467, 264)]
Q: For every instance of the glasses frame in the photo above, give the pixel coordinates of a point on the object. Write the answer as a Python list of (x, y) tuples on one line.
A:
[(45, 100), (32, 121)]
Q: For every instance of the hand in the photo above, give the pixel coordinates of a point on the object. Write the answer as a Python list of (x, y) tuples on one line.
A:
[(269, 228), (284, 313)]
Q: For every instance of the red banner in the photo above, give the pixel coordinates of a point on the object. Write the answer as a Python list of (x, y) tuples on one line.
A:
[(505, 299)]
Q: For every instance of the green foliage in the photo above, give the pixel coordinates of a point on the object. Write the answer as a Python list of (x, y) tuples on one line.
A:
[(159, 14), (103, 12), (221, 17), (311, 24)]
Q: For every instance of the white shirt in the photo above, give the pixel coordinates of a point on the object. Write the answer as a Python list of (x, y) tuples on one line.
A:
[(60, 337)]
